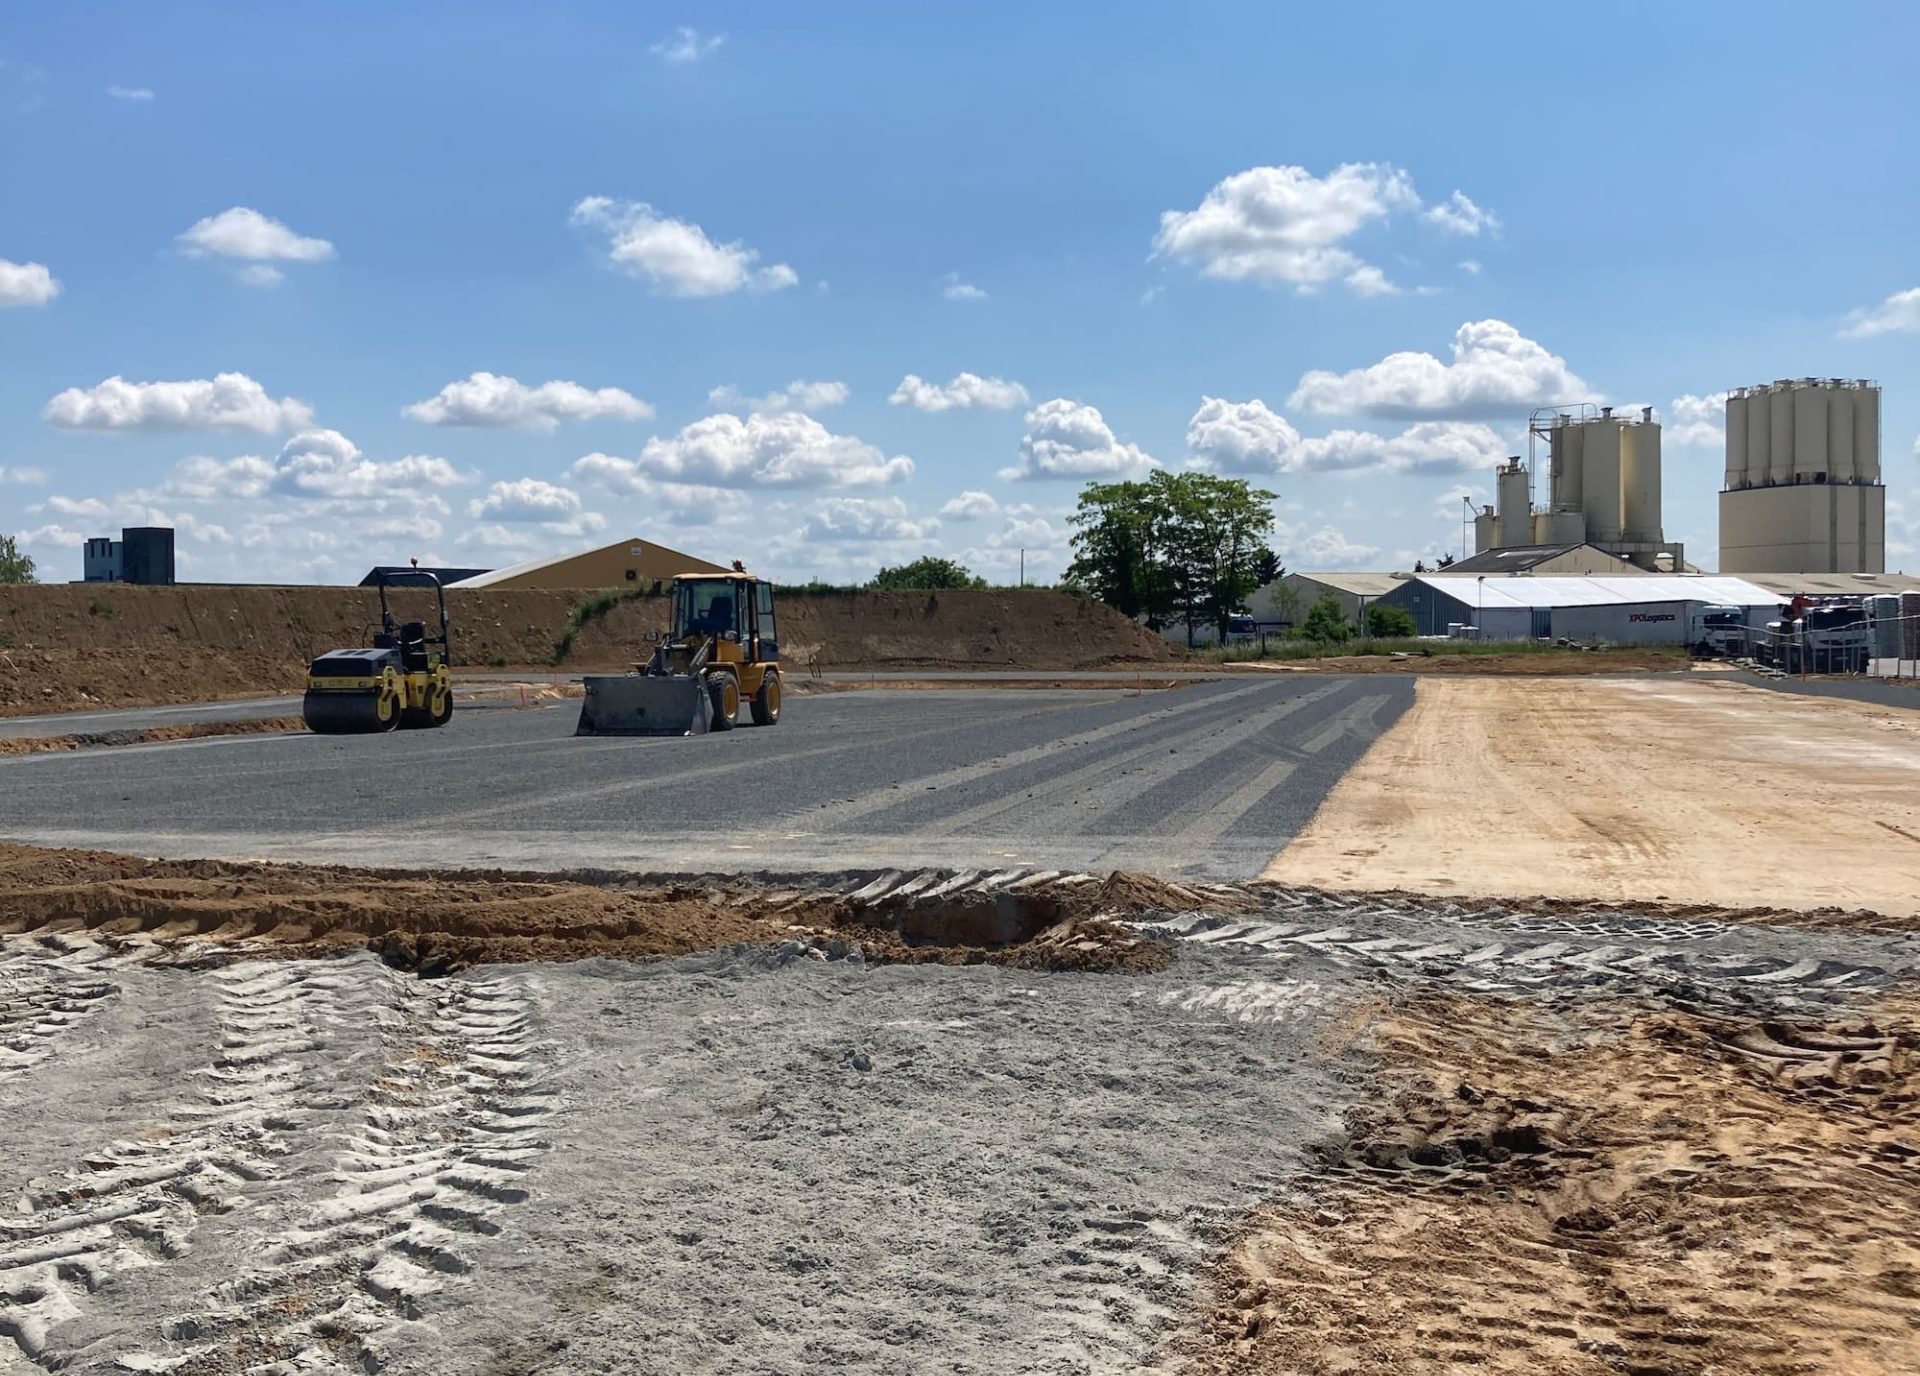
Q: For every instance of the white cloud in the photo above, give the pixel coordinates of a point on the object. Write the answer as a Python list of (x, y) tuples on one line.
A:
[(1249, 437), (136, 93), (1283, 224), (1447, 504), (676, 256), (260, 275), (686, 44), (532, 501), (867, 520), (244, 233), (1470, 266), (955, 290), (26, 284), (967, 391), (26, 477), (1069, 439), (786, 450), (488, 399), (971, 506), (1321, 549), (1459, 215), (325, 463), (1898, 314), (230, 401), (797, 395), (1496, 371), (689, 503), (1698, 420)]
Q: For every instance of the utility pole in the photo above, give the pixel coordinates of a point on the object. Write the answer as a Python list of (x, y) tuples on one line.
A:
[(1023, 568)]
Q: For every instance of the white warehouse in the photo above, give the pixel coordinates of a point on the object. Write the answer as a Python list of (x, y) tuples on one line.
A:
[(1635, 609)]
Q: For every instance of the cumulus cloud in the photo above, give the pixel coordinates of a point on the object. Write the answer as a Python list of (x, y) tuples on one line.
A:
[(260, 275), (1470, 266), (676, 256), (325, 463), (686, 44), (532, 501), (1459, 215), (795, 396), (1496, 371), (971, 506), (488, 399), (26, 284), (1698, 420), (1249, 437), (967, 391), (229, 401), (22, 476), (956, 290), (1324, 548), (695, 503), (867, 520), (245, 233), (1069, 439), (785, 450), (134, 93), (1898, 314)]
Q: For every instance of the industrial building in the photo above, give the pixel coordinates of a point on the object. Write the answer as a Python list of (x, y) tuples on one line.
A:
[(1803, 488), (1603, 489), (1286, 600), (142, 554), (622, 564), (1538, 559), (1643, 609)]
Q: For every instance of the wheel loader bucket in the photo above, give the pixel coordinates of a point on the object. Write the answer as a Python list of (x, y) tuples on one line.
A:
[(643, 705)]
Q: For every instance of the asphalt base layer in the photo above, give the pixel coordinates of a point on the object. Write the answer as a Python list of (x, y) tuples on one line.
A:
[(778, 1157), (1206, 780)]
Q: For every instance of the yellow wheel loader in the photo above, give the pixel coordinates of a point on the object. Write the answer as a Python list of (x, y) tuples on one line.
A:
[(404, 679), (719, 660)]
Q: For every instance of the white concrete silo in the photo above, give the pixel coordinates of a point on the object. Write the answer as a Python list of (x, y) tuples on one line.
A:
[(1780, 438), (1600, 477), (1640, 480), (1736, 439), (1809, 430), (1759, 437), (1840, 456), (1866, 432), (1513, 495)]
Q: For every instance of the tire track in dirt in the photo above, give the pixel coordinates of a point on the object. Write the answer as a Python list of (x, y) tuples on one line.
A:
[(138, 1202), (450, 1131), (47, 990)]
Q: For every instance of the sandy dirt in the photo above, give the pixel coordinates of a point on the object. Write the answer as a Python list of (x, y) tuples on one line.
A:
[(1681, 790), (218, 912), (1533, 664), (1584, 1193)]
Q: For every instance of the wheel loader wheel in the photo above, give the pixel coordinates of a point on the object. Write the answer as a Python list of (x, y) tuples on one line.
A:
[(724, 690), (766, 702)]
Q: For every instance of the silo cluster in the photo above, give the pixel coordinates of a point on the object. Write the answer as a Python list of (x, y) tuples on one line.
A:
[(1803, 430)]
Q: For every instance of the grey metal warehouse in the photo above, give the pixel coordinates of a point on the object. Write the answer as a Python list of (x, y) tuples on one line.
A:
[(1638, 609)]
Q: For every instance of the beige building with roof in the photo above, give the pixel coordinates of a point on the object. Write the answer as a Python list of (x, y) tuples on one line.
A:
[(623, 564), (1288, 598)]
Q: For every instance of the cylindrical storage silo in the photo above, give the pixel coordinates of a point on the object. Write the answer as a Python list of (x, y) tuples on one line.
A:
[(1566, 528), (1780, 441), (1759, 438), (1866, 433), (1839, 433), (1514, 496), (1736, 441), (1600, 479), (1483, 530), (1542, 527), (1809, 431), (1640, 482)]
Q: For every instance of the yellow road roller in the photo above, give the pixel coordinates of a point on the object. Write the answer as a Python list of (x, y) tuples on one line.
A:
[(403, 680), (720, 657)]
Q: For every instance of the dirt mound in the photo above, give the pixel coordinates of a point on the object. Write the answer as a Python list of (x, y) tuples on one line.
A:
[(67, 646), (1599, 1193), (149, 735), (435, 923)]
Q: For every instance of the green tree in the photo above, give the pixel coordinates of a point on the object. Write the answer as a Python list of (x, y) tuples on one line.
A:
[(923, 574), (1268, 568), (15, 567), (1387, 622), (1325, 620), (1175, 546)]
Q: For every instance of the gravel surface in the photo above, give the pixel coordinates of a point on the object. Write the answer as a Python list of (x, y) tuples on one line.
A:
[(1210, 779), (746, 1161)]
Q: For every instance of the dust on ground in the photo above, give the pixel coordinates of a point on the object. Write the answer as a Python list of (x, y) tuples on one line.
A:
[(435, 923), (1595, 1191), (1669, 791)]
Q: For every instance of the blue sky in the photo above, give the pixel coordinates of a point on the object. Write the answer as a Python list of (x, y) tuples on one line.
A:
[(1137, 228)]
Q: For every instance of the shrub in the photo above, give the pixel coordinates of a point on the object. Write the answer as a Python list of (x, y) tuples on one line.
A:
[(1325, 621), (1386, 622)]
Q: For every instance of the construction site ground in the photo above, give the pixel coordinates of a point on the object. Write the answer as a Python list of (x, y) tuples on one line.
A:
[(837, 1046)]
